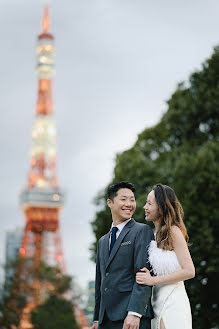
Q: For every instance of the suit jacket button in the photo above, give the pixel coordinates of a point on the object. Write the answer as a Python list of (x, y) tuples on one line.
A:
[(105, 289), (107, 274)]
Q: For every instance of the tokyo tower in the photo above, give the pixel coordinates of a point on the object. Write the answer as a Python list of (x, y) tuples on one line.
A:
[(42, 199)]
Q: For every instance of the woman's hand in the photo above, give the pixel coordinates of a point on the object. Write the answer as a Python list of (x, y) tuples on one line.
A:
[(144, 277)]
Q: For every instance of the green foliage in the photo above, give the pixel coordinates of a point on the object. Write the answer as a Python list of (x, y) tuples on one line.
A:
[(12, 300), (59, 281), (182, 151), (18, 286), (55, 313)]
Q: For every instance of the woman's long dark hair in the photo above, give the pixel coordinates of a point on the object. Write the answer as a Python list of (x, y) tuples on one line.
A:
[(171, 213)]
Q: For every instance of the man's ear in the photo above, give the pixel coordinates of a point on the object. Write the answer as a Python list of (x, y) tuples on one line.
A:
[(109, 202)]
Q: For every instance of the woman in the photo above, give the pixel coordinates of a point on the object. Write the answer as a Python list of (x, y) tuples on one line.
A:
[(170, 260)]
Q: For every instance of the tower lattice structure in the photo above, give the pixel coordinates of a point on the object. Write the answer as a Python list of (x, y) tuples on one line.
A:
[(42, 199)]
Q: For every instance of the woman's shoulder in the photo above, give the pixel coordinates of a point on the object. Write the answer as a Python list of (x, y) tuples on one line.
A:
[(177, 235), (175, 230)]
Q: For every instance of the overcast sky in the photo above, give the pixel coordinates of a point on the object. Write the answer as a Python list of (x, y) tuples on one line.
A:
[(117, 62)]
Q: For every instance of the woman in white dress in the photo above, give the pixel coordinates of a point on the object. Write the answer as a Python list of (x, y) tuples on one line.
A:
[(170, 260)]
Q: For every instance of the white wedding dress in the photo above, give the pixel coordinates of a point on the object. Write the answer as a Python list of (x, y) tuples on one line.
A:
[(170, 301)]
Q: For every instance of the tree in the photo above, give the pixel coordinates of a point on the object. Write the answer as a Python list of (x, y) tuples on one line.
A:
[(12, 299), (182, 151), (53, 278), (20, 285), (55, 313)]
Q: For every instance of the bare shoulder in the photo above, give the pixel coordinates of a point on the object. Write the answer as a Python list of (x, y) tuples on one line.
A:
[(175, 230), (177, 233)]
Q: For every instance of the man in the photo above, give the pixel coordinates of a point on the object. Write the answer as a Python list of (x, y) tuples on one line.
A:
[(121, 303)]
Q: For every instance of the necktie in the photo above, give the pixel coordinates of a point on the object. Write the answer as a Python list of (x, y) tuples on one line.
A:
[(113, 237)]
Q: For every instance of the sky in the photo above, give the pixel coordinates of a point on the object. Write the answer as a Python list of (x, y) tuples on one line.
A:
[(117, 63)]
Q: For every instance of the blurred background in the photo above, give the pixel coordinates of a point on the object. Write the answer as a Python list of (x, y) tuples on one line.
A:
[(117, 64)]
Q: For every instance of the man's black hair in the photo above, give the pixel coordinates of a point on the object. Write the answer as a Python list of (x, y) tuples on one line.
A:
[(113, 189)]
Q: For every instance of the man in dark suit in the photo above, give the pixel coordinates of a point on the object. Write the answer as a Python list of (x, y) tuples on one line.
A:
[(121, 303)]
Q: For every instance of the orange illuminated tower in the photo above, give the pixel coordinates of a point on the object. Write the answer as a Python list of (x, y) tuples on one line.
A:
[(42, 199)]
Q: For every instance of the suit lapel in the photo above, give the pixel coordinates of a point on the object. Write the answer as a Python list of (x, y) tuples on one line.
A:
[(106, 247), (117, 244)]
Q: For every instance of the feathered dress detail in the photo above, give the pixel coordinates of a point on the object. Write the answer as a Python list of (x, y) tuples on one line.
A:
[(170, 301)]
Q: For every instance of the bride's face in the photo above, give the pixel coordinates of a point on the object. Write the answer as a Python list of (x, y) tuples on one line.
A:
[(151, 208)]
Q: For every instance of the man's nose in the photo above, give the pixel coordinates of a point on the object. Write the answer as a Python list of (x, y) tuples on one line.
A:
[(128, 203)]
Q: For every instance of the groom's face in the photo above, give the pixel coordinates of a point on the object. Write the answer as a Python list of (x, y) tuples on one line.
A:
[(123, 205)]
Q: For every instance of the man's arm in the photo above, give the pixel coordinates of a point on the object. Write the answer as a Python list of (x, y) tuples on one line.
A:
[(141, 294), (97, 286)]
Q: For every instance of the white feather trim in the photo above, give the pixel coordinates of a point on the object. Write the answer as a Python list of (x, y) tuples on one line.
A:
[(162, 261)]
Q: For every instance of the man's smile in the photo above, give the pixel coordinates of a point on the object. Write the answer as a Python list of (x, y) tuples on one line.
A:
[(127, 210)]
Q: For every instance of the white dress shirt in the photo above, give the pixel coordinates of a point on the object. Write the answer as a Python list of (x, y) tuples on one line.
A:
[(120, 228)]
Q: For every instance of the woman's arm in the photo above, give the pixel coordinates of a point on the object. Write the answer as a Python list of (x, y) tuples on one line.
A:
[(187, 270)]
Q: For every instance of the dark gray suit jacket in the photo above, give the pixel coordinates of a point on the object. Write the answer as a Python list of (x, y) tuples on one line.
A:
[(116, 290)]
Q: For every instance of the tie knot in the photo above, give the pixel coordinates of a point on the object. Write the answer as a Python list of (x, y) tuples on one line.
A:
[(114, 229)]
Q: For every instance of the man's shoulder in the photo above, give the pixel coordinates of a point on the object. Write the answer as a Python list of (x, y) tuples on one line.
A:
[(142, 227), (103, 237)]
